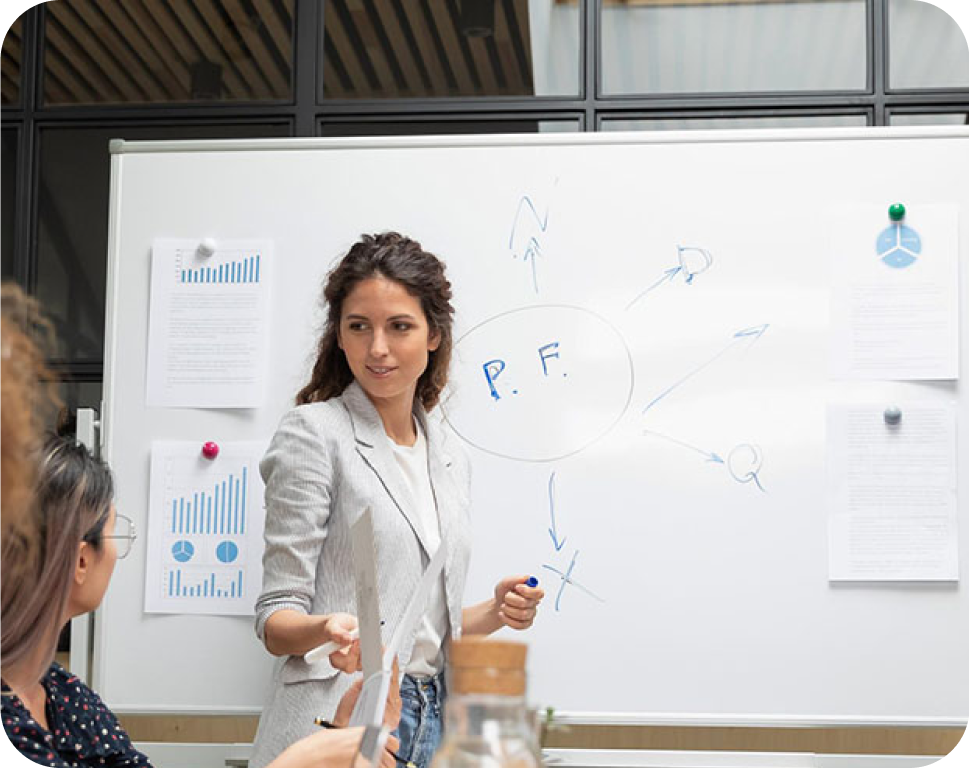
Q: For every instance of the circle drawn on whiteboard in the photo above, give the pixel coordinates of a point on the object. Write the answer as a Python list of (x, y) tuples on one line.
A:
[(183, 551), (227, 551), (539, 383), (898, 246)]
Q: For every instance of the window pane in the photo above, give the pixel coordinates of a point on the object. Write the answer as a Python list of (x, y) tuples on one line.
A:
[(116, 52), (73, 222), (935, 118), (927, 49), (729, 46), (443, 128), (10, 59), (388, 49), (703, 123), (8, 206)]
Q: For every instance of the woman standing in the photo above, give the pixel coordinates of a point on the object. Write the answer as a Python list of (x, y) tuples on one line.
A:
[(360, 437)]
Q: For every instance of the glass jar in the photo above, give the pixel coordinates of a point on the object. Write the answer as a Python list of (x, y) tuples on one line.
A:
[(487, 723)]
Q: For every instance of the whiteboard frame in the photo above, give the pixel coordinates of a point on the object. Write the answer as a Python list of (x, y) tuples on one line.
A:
[(119, 148)]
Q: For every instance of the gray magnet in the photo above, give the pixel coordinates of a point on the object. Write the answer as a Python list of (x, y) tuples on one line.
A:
[(893, 416)]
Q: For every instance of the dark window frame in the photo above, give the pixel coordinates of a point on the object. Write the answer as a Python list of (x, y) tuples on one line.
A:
[(305, 113)]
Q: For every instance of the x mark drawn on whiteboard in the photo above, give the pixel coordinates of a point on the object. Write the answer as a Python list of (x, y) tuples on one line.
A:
[(566, 577)]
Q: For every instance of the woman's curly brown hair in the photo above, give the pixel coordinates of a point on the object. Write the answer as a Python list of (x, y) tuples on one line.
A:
[(29, 398), (398, 258)]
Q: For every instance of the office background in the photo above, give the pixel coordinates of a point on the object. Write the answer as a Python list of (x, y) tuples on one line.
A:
[(76, 73)]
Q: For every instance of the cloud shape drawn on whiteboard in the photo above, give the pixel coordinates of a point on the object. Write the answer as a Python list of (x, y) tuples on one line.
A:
[(539, 383)]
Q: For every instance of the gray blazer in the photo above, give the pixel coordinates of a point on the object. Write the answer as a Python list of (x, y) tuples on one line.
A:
[(327, 462)]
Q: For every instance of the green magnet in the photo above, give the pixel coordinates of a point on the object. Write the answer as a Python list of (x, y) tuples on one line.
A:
[(896, 212)]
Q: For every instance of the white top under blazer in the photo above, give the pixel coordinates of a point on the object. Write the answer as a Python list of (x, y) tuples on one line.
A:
[(326, 463)]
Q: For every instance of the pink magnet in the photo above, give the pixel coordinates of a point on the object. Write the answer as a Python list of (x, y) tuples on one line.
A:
[(210, 450)]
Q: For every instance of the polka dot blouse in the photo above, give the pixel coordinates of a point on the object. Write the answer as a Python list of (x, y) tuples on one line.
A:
[(83, 731)]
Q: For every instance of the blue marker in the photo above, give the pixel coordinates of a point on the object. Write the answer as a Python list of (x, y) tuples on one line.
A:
[(531, 582)]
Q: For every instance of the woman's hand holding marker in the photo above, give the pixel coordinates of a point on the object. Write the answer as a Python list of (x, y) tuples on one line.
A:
[(517, 598), (341, 629)]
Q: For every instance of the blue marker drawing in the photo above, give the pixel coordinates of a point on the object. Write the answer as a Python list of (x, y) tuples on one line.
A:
[(898, 246), (708, 455), (492, 370), (566, 578), (667, 277), (693, 265), (532, 247), (541, 354), (754, 459), (551, 510), (689, 266), (754, 332)]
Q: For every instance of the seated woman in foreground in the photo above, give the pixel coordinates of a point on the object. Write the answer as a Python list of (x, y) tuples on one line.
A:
[(49, 715)]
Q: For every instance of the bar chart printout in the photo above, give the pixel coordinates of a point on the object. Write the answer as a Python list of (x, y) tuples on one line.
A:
[(204, 529), (208, 329)]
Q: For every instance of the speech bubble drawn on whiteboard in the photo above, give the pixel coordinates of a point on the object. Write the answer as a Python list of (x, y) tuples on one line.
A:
[(539, 383)]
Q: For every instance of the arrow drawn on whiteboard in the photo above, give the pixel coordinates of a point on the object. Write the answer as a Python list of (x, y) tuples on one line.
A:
[(526, 233), (551, 510), (667, 277), (753, 333), (710, 455), (692, 262), (566, 578)]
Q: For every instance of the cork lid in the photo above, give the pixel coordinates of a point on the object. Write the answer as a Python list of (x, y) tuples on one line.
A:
[(480, 665)]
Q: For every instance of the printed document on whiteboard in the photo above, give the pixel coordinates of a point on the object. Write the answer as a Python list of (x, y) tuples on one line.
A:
[(895, 294), (205, 526), (208, 337), (892, 494)]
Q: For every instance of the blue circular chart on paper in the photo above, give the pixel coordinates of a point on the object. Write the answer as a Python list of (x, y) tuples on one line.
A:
[(227, 551), (183, 551), (898, 246)]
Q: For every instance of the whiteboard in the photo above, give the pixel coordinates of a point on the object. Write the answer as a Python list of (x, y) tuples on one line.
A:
[(707, 599)]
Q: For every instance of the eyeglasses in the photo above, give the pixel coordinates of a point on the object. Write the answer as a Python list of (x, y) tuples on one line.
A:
[(124, 533)]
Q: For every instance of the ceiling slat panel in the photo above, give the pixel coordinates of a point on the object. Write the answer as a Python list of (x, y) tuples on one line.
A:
[(110, 42), (453, 14), (506, 51), (345, 50), (175, 83), (411, 57), (68, 32), (196, 43), (380, 21), (414, 81), (336, 79), (80, 91), (278, 80), (368, 47), (417, 23), (483, 64), (231, 53), (280, 32), (153, 13), (445, 29), (517, 15), (168, 55), (58, 41)]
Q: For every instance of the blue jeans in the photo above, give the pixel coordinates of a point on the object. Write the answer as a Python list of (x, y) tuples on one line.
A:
[(421, 718)]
